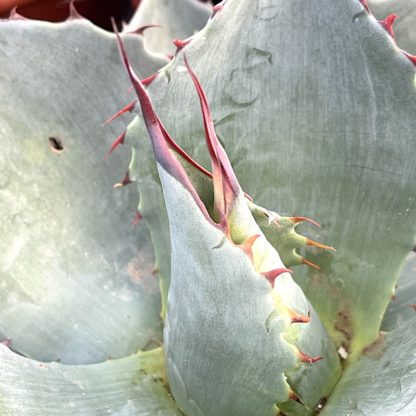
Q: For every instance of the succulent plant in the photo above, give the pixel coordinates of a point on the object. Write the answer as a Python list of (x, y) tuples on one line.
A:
[(301, 110)]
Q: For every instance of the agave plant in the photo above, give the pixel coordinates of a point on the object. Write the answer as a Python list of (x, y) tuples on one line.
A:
[(217, 295)]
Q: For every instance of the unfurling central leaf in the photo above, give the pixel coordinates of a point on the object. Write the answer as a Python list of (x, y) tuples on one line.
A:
[(240, 336)]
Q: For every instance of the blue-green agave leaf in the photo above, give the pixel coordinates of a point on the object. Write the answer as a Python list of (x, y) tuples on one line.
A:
[(383, 381), (135, 385), (235, 318), (402, 307), (404, 24), (315, 106), (77, 280), (177, 19)]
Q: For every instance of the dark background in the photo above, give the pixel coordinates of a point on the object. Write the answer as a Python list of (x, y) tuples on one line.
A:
[(98, 11)]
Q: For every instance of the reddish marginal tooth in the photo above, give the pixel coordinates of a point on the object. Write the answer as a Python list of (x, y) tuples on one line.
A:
[(311, 264), (301, 219), (300, 319), (145, 81), (413, 305), (149, 79), (156, 132), (126, 180), (248, 245), (411, 58), (137, 218), (117, 142), (128, 108), (273, 274), (365, 5), (387, 24), (73, 12), (218, 8), (7, 342), (293, 396), (141, 29), (13, 15), (316, 244), (181, 43), (169, 56), (308, 359)]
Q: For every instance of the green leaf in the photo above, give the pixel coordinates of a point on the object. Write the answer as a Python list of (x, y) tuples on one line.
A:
[(291, 103), (129, 386), (222, 337), (231, 337), (178, 19), (383, 381), (77, 282)]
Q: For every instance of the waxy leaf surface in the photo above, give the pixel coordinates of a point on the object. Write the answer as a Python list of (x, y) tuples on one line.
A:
[(76, 278)]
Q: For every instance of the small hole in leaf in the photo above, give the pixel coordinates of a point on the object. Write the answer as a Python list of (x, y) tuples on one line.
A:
[(56, 144), (321, 404)]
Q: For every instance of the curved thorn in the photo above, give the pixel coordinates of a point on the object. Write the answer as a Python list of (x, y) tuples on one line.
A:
[(316, 244), (141, 29), (248, 245), (149, 79), (300, 319), (14, 15), (180, 44), (308, 359), (387, 24), (311, 264), (126, 181), (218, 8), (273, 274), (128, 108), (293, 396), (117, 142), (7, 342), (411, 58), (160, 147), (145, 81), (73, 12), (306, 219), (182, 152), (365, 5)]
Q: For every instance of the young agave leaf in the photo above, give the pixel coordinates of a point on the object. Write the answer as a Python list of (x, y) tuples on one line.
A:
[(281, 232), (319, 102), (383, 381), (77, 282), (134, 385), (235, 317), (177, 19)]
